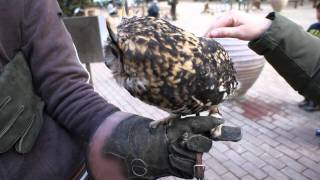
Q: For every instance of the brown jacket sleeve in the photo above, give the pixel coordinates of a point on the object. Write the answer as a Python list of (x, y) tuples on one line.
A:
[(294, 53), (57, 74)]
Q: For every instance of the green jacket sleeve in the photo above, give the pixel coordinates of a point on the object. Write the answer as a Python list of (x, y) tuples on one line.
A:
[(294, 53)]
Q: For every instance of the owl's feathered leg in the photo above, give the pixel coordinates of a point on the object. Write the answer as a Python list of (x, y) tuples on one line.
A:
[(168, 120)]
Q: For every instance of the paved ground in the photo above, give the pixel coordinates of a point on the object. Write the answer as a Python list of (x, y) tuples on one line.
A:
[(278, 138)]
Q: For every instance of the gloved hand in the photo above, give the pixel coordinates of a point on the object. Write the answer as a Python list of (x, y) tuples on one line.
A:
[(147, 153), (20, 109)]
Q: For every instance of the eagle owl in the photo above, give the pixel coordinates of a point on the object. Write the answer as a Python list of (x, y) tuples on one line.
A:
[(168, 67)]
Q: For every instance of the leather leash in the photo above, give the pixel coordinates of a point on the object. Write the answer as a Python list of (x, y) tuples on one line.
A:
[(199, 167)]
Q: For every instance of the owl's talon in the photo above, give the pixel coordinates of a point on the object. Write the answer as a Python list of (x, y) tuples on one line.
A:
[(154, 124), (166, 121), (216, 132), (216, 115)]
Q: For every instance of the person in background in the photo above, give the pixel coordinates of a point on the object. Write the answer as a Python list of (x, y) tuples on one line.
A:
[(314, 29), (112, 10), (257, 4), (173, 9), (153, 9)]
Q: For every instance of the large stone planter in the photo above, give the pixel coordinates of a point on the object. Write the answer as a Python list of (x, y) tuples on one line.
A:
[(278, 5), (246, 62)]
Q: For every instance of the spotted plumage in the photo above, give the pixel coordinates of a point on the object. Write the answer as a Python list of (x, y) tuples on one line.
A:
[(168, 67)]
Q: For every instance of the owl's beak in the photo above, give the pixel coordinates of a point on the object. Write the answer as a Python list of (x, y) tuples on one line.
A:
[(110, 55), (113, 57), (108, 61)]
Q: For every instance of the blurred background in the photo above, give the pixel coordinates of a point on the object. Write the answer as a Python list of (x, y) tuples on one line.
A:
[(172, 9)]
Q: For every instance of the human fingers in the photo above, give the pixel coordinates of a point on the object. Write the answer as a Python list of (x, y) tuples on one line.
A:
[(225, 21), (196, 142), (223, 32)]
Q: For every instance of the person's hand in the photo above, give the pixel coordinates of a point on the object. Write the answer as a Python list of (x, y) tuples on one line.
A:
[(238, 25), (134, 150)]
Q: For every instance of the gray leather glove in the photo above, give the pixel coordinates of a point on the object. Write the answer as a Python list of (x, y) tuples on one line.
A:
[(166, 150), (20, 109)]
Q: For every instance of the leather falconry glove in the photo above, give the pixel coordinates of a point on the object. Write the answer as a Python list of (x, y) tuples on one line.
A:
[(168, 150), (20, 109)]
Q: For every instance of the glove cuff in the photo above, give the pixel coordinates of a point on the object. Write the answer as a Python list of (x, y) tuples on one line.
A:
[(137, 146), (98, 164)]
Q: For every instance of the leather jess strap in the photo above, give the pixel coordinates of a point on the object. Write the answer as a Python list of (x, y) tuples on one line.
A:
[(199, 168)]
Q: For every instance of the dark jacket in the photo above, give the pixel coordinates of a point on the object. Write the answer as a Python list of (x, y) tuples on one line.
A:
[(73, 110), (314, 29), (294, 53)]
